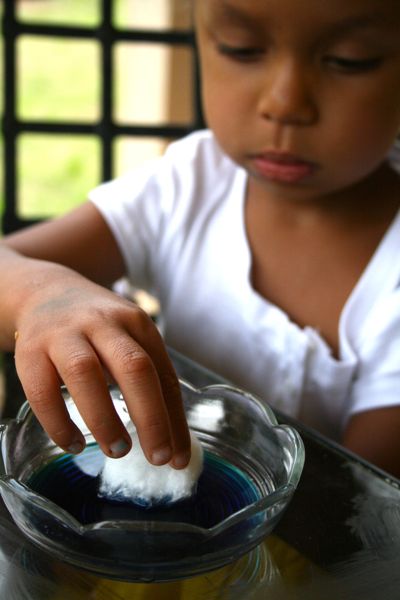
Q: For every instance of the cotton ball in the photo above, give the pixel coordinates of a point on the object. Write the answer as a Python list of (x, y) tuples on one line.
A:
[(132, 478)]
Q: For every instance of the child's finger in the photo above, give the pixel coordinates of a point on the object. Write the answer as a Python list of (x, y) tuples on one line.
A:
[(136, 375), (155, 363), (41, 385), (174, 405), (82, 372)]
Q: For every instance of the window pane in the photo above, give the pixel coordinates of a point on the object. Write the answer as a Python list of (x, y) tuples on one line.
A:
[(72, 12), (133, 151), (58, 79), (55, 173), (152, 14), (143, 87)]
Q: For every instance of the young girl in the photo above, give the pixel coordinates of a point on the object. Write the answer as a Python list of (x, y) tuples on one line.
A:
[(272, 241)]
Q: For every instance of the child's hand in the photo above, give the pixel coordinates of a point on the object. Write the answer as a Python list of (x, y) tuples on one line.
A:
[(72, 331)]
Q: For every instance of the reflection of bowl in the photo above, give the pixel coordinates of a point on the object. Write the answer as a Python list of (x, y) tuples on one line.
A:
[(29, 570), (234, 428)]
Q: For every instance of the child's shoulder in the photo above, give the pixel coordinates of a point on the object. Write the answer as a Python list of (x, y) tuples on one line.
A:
[(201, 138), (200, 147), (197, 168)]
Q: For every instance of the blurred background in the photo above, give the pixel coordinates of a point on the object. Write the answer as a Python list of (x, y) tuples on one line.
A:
[(89, 90)]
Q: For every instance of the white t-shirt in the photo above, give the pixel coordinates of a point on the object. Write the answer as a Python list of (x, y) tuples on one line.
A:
[(179, 222)]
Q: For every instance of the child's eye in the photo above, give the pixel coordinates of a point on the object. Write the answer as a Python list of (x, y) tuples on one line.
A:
[(348, 65), (240, 53)]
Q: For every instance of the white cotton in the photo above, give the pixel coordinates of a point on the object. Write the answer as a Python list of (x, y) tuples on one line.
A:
[(133, 478)]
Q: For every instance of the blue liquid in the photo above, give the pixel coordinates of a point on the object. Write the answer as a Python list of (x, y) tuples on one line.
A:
[(223, 489)]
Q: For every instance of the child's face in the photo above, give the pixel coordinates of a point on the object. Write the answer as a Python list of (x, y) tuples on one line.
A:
[(318, 80)]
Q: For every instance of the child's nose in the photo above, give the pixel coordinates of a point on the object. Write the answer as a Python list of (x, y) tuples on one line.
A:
[(287, 96)]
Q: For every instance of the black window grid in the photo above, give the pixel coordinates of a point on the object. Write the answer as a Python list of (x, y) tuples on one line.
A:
[(106, 129)]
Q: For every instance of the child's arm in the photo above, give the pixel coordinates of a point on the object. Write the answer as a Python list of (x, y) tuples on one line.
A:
[(375, 435), (70, 329)]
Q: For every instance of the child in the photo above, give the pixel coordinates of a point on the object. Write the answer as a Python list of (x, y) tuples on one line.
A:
[(271, 240)]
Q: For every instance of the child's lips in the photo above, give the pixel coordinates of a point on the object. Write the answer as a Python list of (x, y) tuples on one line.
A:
[(284, 167)]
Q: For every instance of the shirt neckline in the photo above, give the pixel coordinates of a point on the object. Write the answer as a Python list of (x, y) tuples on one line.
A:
[(378, 276)]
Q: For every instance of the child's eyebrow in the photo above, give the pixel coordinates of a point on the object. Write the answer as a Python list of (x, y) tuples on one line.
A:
[(371, 21), (234, 15), (376, 24)]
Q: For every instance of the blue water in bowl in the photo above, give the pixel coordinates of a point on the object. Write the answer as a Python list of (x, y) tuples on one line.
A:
[(72, 483)]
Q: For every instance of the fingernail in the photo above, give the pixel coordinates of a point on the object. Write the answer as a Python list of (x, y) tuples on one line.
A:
[(76, 447), (181, 461), (119, 448), (161, 456)]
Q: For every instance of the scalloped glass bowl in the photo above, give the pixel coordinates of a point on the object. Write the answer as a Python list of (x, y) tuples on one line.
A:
[(232, 426)]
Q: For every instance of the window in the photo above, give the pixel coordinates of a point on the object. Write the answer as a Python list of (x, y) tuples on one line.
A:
[(91, 89)]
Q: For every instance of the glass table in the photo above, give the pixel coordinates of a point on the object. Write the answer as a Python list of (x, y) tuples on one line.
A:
[(338, 539)]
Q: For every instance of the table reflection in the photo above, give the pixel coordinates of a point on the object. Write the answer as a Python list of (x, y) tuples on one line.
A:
[(26, 572)]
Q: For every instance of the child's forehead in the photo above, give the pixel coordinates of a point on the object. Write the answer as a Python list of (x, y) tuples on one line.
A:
[(323, 12)]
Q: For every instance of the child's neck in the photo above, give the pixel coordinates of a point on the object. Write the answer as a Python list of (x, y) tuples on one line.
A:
[(308, 256)]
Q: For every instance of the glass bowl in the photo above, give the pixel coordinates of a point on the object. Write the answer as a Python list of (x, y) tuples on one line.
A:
[(252, 463)]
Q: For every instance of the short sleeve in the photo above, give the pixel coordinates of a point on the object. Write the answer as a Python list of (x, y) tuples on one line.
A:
[(135, 208), (377, 377)]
